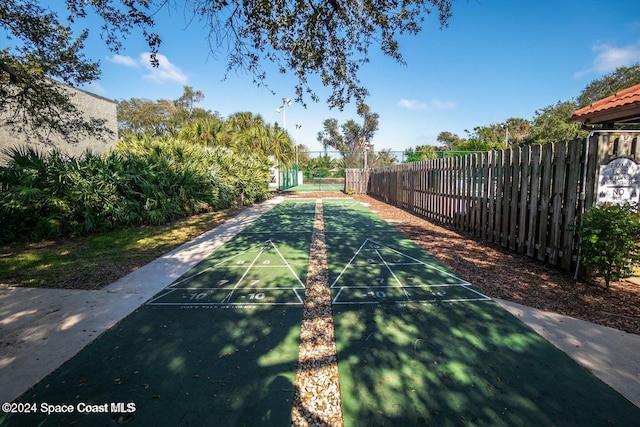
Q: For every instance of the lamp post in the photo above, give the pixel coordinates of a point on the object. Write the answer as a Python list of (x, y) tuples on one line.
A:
[(367, 147), (506, 137), (283, 108), (296, 138)]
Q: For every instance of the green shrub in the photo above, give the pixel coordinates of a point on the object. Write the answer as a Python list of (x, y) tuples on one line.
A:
[(143, 181), (609, 240)]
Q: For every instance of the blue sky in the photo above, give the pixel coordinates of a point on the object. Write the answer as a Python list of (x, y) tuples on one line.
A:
[(496, 60)]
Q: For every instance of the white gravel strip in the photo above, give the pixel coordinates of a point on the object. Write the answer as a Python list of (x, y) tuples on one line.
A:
[(316, 401)]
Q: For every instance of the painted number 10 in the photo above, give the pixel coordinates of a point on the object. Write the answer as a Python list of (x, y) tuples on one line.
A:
[(259, 295), (377, 294)]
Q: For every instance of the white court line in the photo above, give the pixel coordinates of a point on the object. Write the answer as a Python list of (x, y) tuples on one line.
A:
[(228, 297), (170, 290), (335, 299), (481, 297), (388, 268), (225, 260), (298, 295), (287, 263), (349, 263), (416, 262), (225, 300), (422, 262), (473, 290)]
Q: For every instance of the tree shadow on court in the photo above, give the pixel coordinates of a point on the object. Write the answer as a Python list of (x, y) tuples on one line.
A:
[(181, 366), (190, 358), (445, 363), (464, 363)]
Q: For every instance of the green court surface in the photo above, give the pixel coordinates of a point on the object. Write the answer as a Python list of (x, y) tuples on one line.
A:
[(419, 346), (318, 186), (219, 346)]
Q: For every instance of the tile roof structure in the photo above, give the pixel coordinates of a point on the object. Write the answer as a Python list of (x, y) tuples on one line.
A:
[(622, 107)]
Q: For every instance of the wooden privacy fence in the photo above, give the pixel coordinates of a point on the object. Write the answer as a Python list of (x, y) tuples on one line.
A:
[(356, 181), (526, 198)]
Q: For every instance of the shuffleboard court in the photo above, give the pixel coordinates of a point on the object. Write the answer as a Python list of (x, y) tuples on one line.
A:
[(218, 346), (419, 346), (371, 263)]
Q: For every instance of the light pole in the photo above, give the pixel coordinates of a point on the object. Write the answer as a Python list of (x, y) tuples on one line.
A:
[(506, 137), (367, 147), (296, 138), (283, 108)]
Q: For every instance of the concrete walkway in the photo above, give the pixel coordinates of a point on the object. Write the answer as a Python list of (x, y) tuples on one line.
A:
[(42, 328), (610, 354)]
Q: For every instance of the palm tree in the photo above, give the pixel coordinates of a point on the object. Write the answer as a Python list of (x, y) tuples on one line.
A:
[(209, 131), (277, 143)]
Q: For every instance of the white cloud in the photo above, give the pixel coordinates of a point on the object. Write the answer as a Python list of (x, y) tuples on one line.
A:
[(609, 58), (164, 72), (434, 104), (124, 60), (412, 104)]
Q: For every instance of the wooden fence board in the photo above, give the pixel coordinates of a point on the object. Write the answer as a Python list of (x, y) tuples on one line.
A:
[(533, 201), (498, 196), (524, 197), (527, 199), (484, 198), (571, 200), (513, 199), (545, 191), (556, 201), (506, 195), (491, 199)]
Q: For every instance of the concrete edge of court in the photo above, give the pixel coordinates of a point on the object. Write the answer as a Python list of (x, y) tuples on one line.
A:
[(610, 354), (40, 329)]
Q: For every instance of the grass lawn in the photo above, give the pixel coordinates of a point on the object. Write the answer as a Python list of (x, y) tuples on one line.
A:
[(94, 261)]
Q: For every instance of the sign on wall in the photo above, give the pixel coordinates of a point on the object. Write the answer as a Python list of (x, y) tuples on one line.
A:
[(619, 182)]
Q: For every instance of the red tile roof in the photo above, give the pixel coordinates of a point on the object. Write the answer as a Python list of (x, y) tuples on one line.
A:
[(621, 106)]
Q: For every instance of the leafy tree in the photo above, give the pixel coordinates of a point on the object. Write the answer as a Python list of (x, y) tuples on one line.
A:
[(513, 131), (321, 167), (483, 138), (329, 40), (421, 152), (352, 136), (45, 53), (161, 117), (188, 100), (209, 131), (609, 84), (382, 158), (449, 140), (145, 117), (353, 139), (276, 143), (551, 124), (519, 130), (303, 154)]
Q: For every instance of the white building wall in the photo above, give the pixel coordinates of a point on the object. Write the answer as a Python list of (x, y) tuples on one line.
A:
[(92, 105)]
